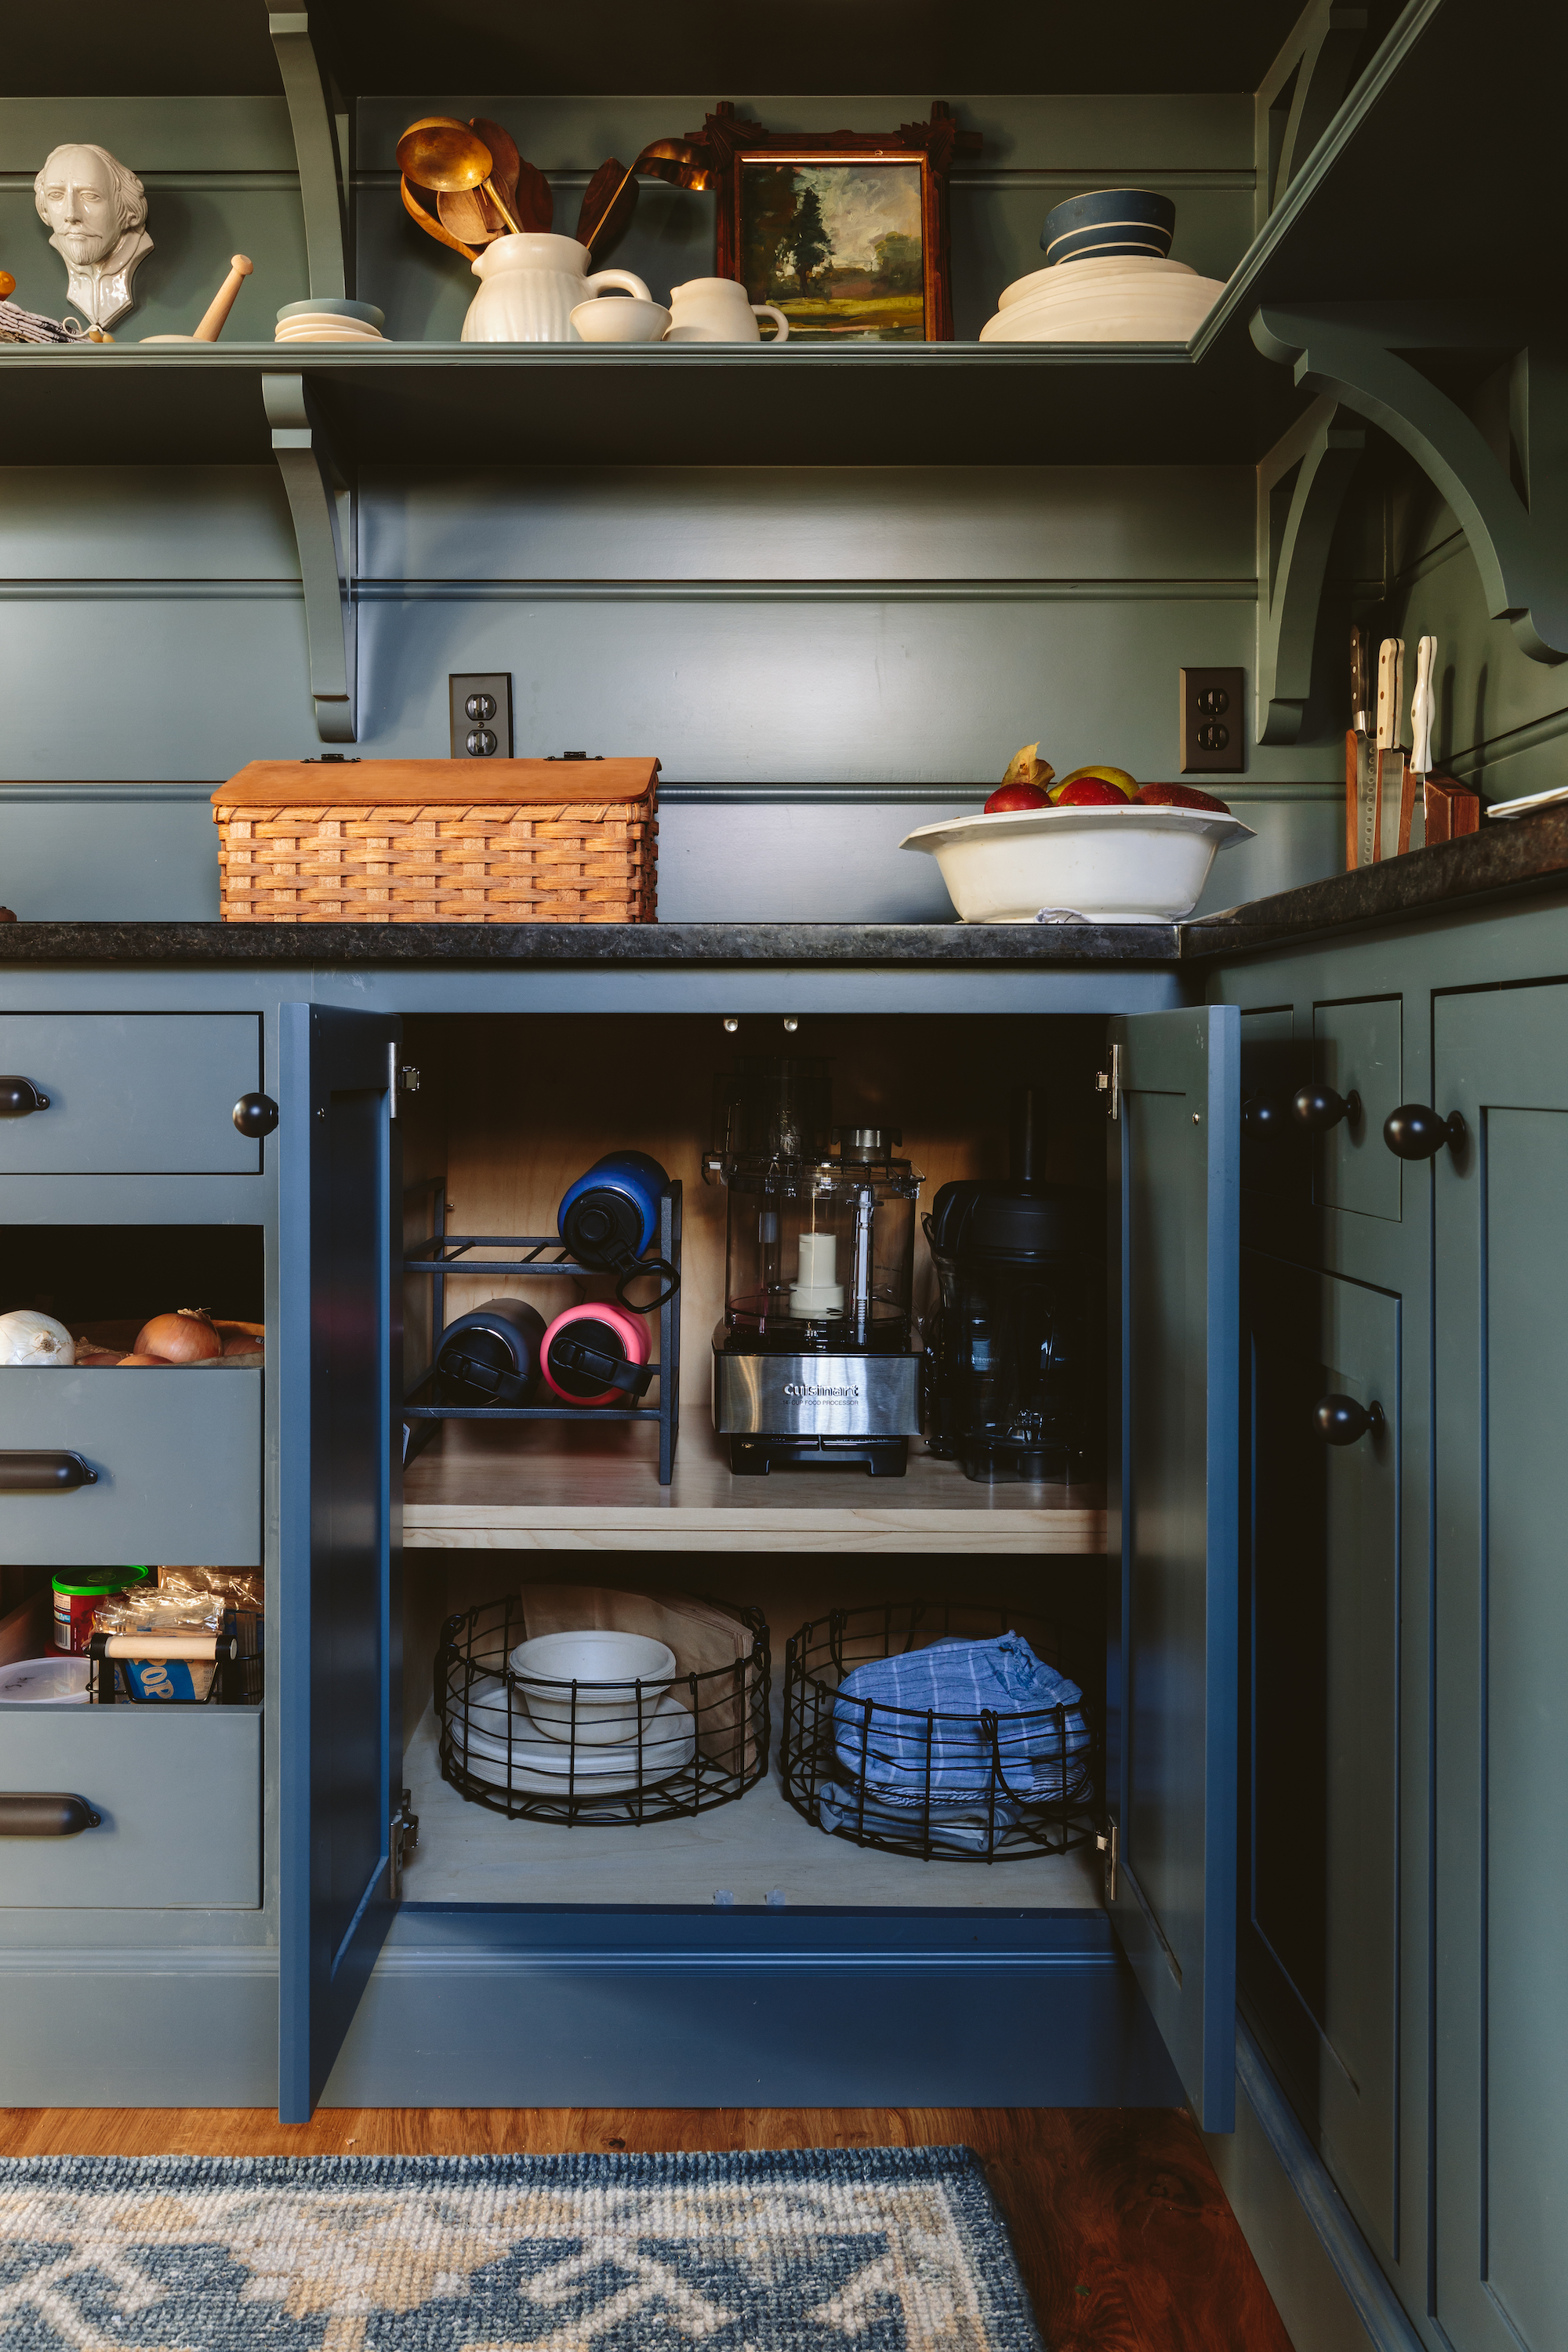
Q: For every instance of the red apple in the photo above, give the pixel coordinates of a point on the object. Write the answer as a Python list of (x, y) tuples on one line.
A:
[(1182, 796), (1100, 772), (1090, 792), (1017, 796)]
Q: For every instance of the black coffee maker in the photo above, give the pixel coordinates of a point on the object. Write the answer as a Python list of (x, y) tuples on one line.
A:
[(1012, 1383)]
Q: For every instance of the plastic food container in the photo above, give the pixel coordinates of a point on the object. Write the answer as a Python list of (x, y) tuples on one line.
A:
[(46, 1682), (1129, 864), (79, 1594)]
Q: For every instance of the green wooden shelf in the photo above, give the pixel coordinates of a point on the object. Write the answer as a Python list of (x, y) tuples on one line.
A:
[(465, 403)]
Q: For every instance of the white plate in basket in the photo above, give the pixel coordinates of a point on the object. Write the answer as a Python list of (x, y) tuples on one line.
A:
[(543, 1766), (1127, 864)]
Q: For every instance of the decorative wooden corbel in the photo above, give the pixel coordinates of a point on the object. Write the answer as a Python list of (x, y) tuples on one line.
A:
[(1301, 93), (1352, 352), (1301, 486), (315, 153), (321, 502)]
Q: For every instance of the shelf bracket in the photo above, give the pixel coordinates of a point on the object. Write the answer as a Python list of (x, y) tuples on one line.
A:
[(316, 151), (322, 502), (1301, 486), (1354, 352), (1301, 93)]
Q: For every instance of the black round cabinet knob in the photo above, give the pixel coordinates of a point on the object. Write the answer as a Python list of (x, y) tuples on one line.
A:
[(1320, 1109), (1416, 1132), (256, 1115), (1342, 1420)]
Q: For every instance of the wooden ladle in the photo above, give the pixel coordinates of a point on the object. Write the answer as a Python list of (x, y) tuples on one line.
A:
[(448, 157)]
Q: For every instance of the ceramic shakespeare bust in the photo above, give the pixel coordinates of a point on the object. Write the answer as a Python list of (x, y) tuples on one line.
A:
[(97, 213)]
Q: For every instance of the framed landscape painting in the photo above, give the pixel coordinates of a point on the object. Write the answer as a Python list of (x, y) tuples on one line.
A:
[(845, 232)]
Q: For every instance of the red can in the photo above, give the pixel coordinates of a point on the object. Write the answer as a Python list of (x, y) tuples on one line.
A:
[(79, 1593)]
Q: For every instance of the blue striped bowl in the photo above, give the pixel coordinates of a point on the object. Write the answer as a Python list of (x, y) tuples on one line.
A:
[(1110, 220)]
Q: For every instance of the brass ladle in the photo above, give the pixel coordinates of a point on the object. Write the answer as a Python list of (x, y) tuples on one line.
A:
[(447, 156)]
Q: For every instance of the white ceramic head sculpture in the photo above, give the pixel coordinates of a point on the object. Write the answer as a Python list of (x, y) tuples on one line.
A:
[(97, 213)]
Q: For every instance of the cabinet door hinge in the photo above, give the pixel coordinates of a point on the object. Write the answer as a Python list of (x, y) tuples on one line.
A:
[(1108, 1084), (402, 1835), (1109, 1841), (403, 1075)]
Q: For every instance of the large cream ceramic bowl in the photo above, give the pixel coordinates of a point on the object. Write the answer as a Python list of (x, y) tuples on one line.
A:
[(1131, 865), (596, 1687)]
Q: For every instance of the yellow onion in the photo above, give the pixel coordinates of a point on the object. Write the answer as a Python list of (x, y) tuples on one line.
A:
[(162, 1362), (186, 1338)]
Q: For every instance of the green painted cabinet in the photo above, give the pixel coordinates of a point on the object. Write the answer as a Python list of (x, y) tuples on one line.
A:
[(1500, 1654)]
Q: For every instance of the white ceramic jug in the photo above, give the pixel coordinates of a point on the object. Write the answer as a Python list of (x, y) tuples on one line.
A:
[(715, 310), (528, 287)]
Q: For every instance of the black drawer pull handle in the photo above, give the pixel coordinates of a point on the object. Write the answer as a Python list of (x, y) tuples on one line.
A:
[(1321, 1108), (1342, 1420), (23, 1473), (1415, 1132), (1264, 1116), (256, 1115), (45, 1813), (18, 1096)]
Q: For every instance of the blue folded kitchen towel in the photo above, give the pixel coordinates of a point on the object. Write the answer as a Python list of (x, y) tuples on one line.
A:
[(952, 1829), (910, 1729)]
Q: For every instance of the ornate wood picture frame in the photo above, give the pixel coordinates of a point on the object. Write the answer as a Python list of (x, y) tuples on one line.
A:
[(846, 231)]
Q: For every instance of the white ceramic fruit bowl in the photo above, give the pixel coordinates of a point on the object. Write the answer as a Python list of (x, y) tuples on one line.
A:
[(1131, 865), (593, 1687)]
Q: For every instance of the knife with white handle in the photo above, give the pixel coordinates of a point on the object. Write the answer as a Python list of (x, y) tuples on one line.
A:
[(1420, 760), (1390, 696)]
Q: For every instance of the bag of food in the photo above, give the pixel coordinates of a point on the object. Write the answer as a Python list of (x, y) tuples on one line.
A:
[(241, 1592), (164, 1612)]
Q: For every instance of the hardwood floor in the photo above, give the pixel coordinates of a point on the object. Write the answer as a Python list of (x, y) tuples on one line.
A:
[(1122, 2232)]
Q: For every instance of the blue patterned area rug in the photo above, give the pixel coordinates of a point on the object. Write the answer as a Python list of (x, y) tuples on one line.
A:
[(813, 2249)]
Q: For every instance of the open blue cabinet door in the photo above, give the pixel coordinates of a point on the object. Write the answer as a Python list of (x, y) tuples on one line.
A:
[(1171, 1691), (338, 1667)]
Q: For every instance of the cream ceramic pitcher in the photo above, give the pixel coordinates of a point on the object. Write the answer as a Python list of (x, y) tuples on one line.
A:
[(529, 285), (715, 310)]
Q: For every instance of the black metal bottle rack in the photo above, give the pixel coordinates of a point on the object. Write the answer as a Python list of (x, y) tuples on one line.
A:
[(442, 1254)]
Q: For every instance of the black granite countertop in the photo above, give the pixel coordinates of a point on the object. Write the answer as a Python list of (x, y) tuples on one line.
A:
[(1515, 855)]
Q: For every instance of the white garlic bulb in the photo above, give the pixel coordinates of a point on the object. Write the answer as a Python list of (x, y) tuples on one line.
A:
[(29, 1337)]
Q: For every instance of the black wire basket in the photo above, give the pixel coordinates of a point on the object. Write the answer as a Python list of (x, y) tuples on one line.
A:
[(701, 1740), (983, 1786)]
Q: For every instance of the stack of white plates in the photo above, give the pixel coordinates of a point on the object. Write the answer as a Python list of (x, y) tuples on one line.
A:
[(497, 1737), (1126, 298), (325, 320)]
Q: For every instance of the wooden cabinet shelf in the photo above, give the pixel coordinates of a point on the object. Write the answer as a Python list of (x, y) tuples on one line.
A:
[(549, 1489)]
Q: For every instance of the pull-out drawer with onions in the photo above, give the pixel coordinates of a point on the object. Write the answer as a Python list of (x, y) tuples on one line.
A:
[(134, 1807), (119, 1094), (107, 1468)]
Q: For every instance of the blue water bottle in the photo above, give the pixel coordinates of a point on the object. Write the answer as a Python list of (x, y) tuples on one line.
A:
[(609, 1219)]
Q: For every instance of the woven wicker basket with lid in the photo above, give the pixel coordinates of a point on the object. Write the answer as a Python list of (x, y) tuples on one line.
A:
[(432, 841)]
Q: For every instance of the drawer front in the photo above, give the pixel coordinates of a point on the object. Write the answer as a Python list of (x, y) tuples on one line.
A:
[(1358, 1049), (178, 1793), (178, 1461), (131, 1092)]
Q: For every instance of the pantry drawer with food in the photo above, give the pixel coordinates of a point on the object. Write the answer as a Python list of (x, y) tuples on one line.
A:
[(122, 1094), (135, 1806)]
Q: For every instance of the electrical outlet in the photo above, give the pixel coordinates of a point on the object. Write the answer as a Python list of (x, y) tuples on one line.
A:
[(1212, 736), (481, 714)]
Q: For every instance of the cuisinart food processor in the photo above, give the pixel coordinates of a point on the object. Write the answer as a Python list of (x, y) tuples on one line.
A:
[(812, 1362)]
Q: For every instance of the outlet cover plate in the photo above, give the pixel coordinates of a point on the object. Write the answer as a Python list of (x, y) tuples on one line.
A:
[(465, 732), (1211, 711)]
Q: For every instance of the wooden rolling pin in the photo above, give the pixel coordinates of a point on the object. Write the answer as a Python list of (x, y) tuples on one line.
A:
[(222, 303)]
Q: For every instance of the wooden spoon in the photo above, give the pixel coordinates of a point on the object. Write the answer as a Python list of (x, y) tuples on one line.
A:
[(431, 225), (609, 200), (469, 213)]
